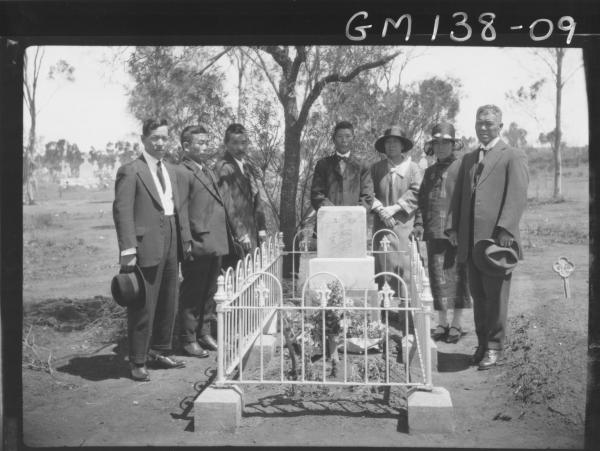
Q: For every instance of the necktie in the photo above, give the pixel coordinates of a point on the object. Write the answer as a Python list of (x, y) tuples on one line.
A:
[(342, 163), (479, 167), (161, 177)]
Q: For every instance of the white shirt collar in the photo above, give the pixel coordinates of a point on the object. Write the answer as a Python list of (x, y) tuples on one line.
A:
[(401, 168), (491, 144), (345, 155), (149, 158)]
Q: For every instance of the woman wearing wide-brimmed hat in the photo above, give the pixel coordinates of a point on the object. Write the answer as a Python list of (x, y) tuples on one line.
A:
[(447, 278), (396, 180)]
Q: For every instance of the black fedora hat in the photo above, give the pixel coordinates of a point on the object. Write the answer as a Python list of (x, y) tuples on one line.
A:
[(494, 260), (395, 132), (128, 288)]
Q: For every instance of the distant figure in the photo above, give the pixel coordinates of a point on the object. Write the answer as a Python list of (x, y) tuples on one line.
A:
[(239, 181), (340, 178), (211, 237), (448, 278), (487, 205), (147, 214), (396, 180)]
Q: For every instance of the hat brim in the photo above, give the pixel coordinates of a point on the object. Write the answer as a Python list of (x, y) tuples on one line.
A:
[(407, 144), (483, 253), (128, 288)]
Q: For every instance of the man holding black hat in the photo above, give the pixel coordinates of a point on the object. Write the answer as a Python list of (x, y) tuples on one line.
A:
[(483, 221), (396, 180), (341, 179), (147, 220)]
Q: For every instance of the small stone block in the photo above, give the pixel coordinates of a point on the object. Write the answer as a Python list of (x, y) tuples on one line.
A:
[(341, 232), (354, 273), (218, 409), (430, 412)]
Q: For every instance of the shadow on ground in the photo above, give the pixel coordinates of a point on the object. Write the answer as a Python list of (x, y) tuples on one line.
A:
[(452, 362), (99, 367)]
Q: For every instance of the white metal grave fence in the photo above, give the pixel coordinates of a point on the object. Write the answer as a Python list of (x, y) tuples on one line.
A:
[(241, 291), (249, 297)]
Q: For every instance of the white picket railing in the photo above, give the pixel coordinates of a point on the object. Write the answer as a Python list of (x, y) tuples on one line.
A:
[(249, 297)]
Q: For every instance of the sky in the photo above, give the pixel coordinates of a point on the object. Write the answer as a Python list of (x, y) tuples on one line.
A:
[(92, 110)]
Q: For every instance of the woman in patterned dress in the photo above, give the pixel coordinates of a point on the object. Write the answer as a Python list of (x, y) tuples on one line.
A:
[(447, 278)]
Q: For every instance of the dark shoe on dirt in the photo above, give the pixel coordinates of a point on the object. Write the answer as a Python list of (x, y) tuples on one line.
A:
[(208, 342), (454, 334), (490, 359), (139, 373), (478, 356), (158, 360), (195, 350), (440, 333)]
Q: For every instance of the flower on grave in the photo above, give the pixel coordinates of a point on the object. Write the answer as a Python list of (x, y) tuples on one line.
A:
[(348, 302)]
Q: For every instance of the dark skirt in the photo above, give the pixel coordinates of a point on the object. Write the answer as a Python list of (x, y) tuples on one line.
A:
[(448, 279)]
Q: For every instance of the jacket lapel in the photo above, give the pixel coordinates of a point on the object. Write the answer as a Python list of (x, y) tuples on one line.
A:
[(208, 183), (491, 160), (240, 178), (146, 178)]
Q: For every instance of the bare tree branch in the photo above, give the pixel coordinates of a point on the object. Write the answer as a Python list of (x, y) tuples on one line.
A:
[(213, 60), (263, 66), (333, 78)]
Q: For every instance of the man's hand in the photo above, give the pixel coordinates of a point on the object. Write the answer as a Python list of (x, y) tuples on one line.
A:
[(392, 209), (387, 219), (417, 232), (453, 237), (128, 262), (504, 238), (187, 252)]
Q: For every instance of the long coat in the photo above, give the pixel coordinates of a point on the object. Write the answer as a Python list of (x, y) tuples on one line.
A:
[(331, 187), (243, 203), (201, 199), (404, 191), (497, 200), (138, 212)]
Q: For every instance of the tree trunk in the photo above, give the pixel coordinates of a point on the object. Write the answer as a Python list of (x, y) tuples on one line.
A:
[(289, 189), (29, 157), (557, 194)]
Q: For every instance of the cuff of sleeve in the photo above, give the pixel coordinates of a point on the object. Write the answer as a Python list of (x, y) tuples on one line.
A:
[(376, 205), (130, 251), (400, 205), (262, 233)]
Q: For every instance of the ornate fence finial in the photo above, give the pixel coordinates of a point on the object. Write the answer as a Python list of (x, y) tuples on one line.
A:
[(221, 294), (385, 244), (563, 267), (385, 295), (280, 243), (261, 291), (323, 293)]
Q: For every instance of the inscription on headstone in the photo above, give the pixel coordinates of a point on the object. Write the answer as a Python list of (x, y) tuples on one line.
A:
[(342, 232)]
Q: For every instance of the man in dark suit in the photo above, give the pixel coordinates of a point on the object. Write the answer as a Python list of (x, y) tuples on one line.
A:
[(145, 211), (341, 179), (211, 237), (488, 202), (239, 182)]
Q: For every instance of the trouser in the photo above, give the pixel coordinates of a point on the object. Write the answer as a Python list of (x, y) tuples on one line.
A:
[(151, 325), (197, 307), (490, 306)]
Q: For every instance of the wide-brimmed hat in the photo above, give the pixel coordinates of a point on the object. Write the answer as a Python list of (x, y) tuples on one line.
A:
[(395, 132), (443, 130), (494, 260), (128, 288)]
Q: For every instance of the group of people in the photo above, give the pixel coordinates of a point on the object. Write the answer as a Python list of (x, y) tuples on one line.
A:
[(207, 217), (467, 208), (201, 216)]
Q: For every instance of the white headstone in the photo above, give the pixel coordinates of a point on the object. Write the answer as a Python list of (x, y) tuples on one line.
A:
[(342, 232)]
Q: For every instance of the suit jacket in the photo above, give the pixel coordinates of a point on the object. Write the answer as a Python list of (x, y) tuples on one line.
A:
[(498, 200), (244, 206), (331, 187), (138, 213), (205, 209)]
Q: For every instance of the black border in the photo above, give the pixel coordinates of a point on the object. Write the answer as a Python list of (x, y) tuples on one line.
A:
[(213, 22)]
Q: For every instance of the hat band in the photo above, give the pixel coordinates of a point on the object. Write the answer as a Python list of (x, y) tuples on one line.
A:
[(444, 136)]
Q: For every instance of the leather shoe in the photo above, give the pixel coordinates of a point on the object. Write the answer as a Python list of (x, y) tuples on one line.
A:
[(162, 361), (208, 342), (195, 350), (490, 359), (478, 356), (139, 373), (440, 333)]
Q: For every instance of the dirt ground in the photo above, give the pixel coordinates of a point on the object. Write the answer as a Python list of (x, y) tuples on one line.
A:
[(76, 389)]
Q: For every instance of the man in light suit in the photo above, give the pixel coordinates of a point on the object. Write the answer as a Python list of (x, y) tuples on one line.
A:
[(239, 183), (211, 240), (340, 178), (488, 202), (146, 214)]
